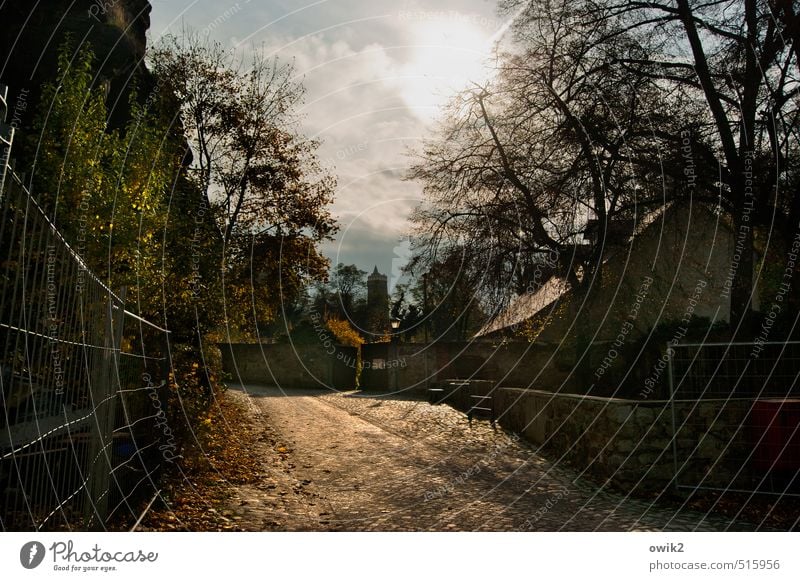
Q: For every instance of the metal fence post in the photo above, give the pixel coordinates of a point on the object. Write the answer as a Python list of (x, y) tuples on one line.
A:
[(670, 379), (104, 395)]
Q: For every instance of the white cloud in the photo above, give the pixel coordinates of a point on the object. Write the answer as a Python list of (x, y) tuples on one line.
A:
[(374, 73)]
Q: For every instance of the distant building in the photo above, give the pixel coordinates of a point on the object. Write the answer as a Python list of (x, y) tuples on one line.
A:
[(377, 305)]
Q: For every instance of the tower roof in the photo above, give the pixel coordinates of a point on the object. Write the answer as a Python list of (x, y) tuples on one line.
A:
[(376, 275)]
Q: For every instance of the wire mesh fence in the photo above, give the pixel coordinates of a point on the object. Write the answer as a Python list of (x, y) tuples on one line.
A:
[(736, 416), (83, 433)]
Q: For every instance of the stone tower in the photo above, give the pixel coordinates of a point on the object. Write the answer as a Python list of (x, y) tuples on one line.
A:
[(377, 304)]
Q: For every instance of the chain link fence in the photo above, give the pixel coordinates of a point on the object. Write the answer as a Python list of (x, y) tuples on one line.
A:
[(736, 416), (83, 429)]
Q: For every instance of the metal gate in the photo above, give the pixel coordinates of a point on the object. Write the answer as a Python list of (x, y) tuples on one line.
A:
[(736, 416), (374, 372)]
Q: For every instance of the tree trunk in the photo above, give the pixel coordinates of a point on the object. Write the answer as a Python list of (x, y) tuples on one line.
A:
[(741, 291)]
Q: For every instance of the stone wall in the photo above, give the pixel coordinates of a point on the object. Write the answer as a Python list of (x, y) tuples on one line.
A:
[(290, 366), (629, 444), (677, 266), (413, 367)]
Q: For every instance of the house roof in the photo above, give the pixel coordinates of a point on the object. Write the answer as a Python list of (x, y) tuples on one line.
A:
[(526, 306)]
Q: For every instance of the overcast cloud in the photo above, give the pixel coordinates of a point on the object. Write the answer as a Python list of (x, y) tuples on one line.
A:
[(375, 73)]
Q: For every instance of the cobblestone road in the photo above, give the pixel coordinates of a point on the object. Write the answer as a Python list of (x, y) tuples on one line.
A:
[(349, 461)]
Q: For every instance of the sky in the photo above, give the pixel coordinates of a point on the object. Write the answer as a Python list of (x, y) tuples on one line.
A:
[(376, 72)]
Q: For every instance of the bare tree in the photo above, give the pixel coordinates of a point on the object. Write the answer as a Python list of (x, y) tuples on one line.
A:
[(584, 127), (740, 57), (532, 174), (200, 76), (734, 65)]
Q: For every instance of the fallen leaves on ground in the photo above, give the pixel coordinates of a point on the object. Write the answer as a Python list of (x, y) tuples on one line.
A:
[(195, 496), (778, 512)]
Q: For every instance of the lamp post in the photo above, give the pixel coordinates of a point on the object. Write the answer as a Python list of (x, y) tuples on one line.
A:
[(395, 323)]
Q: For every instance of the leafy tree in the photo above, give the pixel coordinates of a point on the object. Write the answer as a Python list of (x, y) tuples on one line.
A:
[(122, 199), (105, 189), (344, 296), (344, 333), (73, 153), (409, 314), (349, 284), (448, 304), (268, 195)]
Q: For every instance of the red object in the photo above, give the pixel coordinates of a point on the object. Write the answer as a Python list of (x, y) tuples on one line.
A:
[(776, 434)]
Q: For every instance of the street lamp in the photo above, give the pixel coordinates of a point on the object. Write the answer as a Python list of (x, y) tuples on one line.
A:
[(395, 323)]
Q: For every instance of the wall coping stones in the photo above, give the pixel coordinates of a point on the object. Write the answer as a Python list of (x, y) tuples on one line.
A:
[(618, 400)]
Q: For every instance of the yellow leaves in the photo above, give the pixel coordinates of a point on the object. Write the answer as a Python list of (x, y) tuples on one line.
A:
[(345, 333)]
